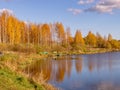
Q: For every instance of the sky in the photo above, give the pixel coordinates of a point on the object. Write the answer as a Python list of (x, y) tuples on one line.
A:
[(101, 16)]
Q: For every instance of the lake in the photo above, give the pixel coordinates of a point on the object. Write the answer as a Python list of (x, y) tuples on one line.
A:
[(81, 72)]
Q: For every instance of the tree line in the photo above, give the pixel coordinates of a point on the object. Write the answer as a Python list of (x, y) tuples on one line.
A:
[(14, 31)]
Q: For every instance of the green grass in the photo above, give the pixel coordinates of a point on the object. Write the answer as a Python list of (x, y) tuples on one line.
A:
[(11, 81)]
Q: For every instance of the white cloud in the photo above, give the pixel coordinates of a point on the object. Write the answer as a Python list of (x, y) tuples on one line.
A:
[(85, 1), (75, 11), (6, 10), (105, 6), (100, 6)]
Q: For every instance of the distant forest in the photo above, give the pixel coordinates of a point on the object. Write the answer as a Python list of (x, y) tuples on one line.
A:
[(50, 36)]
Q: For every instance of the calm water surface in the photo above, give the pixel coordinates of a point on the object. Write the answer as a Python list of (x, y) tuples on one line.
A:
[(81, 72)]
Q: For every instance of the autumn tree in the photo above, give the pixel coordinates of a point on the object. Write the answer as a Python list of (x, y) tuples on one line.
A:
[(53, 34), (17, 31), (4, 15), (109, 37), (91, 39), (100, 41), (23, 32), (68, 37), (10, 29), (115, 44), (46, 34), (78, 38), (34, 33), (60, 33)]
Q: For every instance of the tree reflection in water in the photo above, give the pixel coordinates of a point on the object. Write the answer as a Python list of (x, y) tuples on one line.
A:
[(57, 69), (54, 69), (77, 68)]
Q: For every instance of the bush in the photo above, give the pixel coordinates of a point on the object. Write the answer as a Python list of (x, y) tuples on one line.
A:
[(22, 48)]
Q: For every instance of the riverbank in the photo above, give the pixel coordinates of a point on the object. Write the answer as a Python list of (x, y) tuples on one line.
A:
[(87, 51), (12, 73)]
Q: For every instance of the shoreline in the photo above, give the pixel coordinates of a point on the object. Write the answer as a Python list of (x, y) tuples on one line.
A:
[(98, 51)]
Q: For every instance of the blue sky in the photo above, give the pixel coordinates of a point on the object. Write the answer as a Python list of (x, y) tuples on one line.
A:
[(101, 16)]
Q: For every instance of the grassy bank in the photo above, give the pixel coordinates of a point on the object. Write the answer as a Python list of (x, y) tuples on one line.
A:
[(9, 80), (12, 76)]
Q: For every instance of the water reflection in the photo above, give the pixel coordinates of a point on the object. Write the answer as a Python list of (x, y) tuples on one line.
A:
[(79, 72)]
